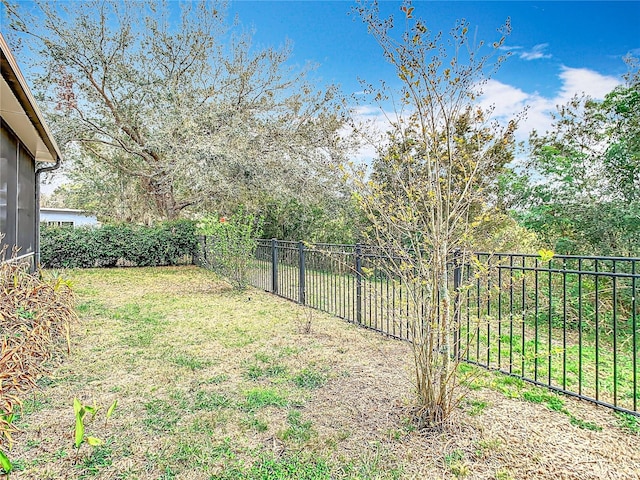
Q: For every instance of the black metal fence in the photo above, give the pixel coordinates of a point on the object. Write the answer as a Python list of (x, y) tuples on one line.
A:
[(569, 323)]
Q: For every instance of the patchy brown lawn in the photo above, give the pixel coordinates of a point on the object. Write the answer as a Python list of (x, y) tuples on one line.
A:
[(212, 383)]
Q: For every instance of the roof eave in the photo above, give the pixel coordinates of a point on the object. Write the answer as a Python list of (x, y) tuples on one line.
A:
[(18, 85)]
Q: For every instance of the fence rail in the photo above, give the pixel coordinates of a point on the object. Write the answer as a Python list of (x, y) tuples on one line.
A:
[(569, 324)]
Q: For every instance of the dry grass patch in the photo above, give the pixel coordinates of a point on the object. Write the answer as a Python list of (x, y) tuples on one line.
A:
[(214, 384)]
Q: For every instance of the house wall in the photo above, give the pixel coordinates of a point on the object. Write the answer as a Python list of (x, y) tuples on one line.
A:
[(70, 218), (17, 194)]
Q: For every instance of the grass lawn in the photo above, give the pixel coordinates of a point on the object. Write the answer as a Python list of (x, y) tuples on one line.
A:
[(215, 384)]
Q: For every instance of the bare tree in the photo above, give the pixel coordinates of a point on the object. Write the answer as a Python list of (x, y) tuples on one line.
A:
[(164, 94), (429, 188)]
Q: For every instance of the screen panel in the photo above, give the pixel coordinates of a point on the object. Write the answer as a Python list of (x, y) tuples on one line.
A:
[(26, 202), (8, 187)]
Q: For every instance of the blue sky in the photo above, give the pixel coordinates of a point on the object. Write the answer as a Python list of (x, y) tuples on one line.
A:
[(548, 35), (558, 48)]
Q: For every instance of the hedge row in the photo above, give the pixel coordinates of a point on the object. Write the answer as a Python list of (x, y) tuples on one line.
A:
[(168, 243)]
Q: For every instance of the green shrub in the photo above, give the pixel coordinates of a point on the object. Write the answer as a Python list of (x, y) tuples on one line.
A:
[(66, 247), (167, 243), (230, 245)]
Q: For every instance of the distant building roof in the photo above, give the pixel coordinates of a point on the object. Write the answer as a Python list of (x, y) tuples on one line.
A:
[(64, 210), (19, 110)]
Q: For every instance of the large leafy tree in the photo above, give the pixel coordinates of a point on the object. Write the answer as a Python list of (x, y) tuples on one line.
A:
[(431, 184), (619, 114), (164, 95), (580, 190)]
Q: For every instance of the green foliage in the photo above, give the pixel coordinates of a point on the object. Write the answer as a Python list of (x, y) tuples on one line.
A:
[(332, 219), (630, 423), (110, 411), (309, 378), (455, 462), (580, 191), (556, 403), (584, 424), (210, 401), (189, 361), (267, 467), (255, 423), (298, 430), (255, 372), (499, 232), (264, 397), (5, 464), (80, 411), (100, 458), (229, 245), (161, 415), (477, 407), (167, 243), (553, 401)]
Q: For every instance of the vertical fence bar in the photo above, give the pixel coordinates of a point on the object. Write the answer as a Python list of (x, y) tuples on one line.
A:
[(335, 272), (316, 283), (358, 284), (536, 309), (374, 283), (468, 305), (274, 265), (580, 326), (478, 317), (510, 313), (393, 307), (301, 274), (597, 323), (564, 324), (615, 335), (499, 312), (634, 334), (549, 325), (489, 310), (457, 283), (387, 329), (524, 317), (352, 290), (204, 249)]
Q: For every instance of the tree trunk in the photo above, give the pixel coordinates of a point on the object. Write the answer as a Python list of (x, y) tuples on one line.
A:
[(163, 197)]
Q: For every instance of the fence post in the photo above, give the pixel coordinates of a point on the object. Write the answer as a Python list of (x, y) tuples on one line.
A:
[(358, 283), (274, 265), (204, 250), (301, 274), (457, 283)]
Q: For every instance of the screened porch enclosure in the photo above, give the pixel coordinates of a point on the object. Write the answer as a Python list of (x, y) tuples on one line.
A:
[(17, 196)]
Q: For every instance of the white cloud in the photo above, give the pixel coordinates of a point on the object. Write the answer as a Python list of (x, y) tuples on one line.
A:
[(508, 100), (372, 123), (536, 52), (508, 48), (504, 99), (582, 80)]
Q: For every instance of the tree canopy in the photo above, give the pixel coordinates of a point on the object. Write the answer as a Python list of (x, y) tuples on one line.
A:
[(162, 107), (580, 191)]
